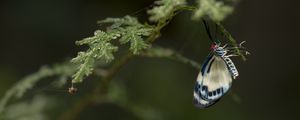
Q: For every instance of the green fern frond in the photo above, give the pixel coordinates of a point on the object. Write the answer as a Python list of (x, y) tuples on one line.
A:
[(127, 29), (28, 82), (131, 30), (100, 49), (117, 22), (216, 10), (164, 9), (134, 35), (99, 36)]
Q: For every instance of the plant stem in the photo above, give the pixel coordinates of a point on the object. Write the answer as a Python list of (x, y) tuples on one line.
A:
[(231, 39), (160, 52)]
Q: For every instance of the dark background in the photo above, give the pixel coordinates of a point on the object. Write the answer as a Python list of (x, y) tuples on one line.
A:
[(38, 32)]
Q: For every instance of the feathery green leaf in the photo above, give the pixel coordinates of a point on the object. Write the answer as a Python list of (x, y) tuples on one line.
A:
[(164, 9), (216, 10), (127, 29)]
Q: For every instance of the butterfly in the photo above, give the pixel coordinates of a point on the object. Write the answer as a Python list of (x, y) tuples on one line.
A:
[(216, 75)]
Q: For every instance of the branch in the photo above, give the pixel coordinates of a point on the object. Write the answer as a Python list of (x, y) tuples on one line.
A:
[(102, 87)]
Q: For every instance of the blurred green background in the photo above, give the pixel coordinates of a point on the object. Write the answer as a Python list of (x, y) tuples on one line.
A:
[(38, 32)]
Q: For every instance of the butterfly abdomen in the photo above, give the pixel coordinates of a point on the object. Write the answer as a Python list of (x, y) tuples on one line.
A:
[(232, 69)]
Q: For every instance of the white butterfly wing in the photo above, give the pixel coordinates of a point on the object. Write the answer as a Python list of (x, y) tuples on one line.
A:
[(217, 78), (213, 81)]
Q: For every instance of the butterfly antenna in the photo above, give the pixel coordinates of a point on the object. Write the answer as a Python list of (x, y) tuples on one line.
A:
[(216, 29), (215, 34), (207, 29)]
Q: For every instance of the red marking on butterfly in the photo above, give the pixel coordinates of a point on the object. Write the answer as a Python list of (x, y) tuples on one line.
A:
[(213, 46)]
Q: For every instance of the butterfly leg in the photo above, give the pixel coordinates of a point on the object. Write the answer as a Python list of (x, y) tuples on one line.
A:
[(232, 55), (240, 45), (225, 45)]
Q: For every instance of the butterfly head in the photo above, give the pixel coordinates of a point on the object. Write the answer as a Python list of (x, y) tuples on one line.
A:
[(216, 48), (213, 47)]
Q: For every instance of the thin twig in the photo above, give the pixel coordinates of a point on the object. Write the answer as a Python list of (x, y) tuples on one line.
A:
[(224, 31), (231, 39)]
